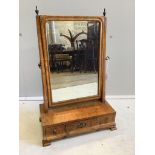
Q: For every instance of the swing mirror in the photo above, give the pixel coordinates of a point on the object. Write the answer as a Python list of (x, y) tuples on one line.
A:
[(73, 51)]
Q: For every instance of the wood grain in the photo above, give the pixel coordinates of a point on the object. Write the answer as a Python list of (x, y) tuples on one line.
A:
[(44, 84), (58, 124), (64, 115)]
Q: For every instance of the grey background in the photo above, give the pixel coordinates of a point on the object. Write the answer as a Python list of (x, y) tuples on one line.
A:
[(120, 41)]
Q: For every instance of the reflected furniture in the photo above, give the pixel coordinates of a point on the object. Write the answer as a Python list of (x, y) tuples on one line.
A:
[(87, 59), (81, 114), (72, 38), (57, 58)]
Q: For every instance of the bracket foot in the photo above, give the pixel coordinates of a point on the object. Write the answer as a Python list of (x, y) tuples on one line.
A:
[(113, 128), (45, 143)]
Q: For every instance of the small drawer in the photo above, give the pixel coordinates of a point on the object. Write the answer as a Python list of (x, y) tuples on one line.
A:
[(105, 119), (55, 130), (82, 124), (77, 125)]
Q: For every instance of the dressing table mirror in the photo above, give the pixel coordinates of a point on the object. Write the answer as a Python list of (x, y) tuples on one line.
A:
[(72, 61)]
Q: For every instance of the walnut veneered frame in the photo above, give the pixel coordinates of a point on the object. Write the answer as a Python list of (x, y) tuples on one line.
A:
[(41, 30)]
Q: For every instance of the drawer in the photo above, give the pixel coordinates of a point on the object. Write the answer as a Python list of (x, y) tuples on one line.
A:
[(105, 119), (55, 130), (89, 122), (77, 125), (82, 124)]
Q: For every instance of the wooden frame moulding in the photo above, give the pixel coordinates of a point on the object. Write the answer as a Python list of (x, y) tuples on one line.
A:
[(44, 84), (103, 60), (41, 27)]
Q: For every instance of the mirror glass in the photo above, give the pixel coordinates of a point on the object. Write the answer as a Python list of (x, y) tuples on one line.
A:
[(73, 51)]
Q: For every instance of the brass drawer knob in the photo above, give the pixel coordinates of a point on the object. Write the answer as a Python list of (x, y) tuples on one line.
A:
[(81, 125)]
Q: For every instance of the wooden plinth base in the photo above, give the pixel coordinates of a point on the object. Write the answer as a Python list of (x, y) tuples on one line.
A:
[(68, 121)]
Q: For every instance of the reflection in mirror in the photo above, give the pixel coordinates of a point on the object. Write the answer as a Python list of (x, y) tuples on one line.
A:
[(73, 50)]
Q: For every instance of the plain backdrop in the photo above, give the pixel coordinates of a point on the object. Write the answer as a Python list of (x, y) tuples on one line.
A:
[(120, 41), (145, 72)]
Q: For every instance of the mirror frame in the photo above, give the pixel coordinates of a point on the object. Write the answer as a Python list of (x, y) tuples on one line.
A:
[(45, 71)]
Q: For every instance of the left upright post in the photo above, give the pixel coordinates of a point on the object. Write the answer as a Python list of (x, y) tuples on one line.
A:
[(41, 64)]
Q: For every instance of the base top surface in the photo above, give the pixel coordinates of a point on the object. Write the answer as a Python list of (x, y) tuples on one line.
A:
[(54, 117)]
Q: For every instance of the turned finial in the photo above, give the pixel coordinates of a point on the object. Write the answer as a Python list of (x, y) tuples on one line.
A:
[(104, 13), (37, 11)]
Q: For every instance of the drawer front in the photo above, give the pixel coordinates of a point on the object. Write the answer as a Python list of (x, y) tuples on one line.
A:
[(105, 119), (77, 125), (90, 122), (55, 130), (82, 124)]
